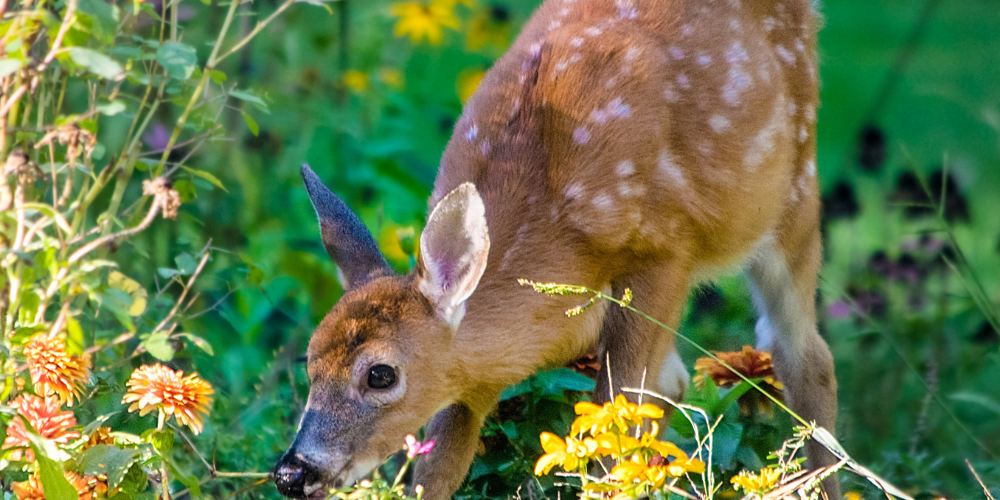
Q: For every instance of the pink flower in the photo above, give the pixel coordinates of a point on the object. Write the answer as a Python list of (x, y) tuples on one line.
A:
[(414, 447)]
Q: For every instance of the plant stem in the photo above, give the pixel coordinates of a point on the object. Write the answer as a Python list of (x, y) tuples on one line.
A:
[(164, 479)]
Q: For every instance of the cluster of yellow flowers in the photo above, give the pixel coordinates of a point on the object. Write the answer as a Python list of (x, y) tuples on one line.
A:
[(602, 432)]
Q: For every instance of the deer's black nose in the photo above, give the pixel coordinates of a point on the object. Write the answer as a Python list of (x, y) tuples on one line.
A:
[(293, 474)]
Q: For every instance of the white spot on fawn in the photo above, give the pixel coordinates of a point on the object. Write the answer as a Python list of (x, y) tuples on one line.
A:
[(670, 93), (734, 24), (704, 60), (785, 55), (738, 80), (811, 168), (803, 134), (632, 53), (665, 162), (576, 42), (470, 135), (769, 23), (618, 109), (602, 202), (676, 53), (626, 10), (810, 113), (719, 123), (683, 81), (555, 24), (574, 191), (762, 145), (791, 108), (799, 46), (581, 135), (484, 147), (535, 50), (686, 30), (592, 31), (625, 168)]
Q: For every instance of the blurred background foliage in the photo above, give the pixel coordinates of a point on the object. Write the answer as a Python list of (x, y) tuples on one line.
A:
[(909, 100)]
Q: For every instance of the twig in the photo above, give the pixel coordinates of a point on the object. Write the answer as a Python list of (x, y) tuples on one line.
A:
[(986, 491), (180, 300)]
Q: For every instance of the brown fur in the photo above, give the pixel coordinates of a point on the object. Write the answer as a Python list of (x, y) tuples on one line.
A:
[(610, 150)]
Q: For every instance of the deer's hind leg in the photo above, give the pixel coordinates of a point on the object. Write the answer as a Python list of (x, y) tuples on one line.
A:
[(638, 352), (783, 282)]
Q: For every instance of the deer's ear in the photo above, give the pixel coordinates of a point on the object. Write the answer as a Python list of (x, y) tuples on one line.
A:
[(345, 237), (453, 251)]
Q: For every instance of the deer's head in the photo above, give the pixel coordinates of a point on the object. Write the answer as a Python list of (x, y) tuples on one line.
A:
[(378, 362)]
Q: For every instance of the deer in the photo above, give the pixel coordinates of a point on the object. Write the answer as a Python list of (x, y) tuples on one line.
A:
[(650, 145)]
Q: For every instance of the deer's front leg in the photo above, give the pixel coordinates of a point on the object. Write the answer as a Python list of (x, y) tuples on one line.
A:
[(455, 432)]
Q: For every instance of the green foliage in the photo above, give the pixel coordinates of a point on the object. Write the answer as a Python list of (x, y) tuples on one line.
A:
[(135, 93)]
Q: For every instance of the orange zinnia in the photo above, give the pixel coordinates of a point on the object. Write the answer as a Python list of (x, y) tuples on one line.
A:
[(45, 415), (156, 387), (87, 487), (53, 371), (749, 362)]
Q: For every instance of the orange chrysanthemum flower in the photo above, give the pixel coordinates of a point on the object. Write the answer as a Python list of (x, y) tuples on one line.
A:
[(53, 371), (46, 416), (749, 362), (153, 387), (87, 487)]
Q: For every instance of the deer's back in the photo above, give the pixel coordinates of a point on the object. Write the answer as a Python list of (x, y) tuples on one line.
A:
[(628, 127)]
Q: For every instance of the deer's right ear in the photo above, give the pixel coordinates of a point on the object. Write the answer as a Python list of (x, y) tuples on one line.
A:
[(453, 251), (345, 237)]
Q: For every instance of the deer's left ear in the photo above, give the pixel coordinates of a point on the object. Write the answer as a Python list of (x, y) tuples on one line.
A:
[(453, 251)]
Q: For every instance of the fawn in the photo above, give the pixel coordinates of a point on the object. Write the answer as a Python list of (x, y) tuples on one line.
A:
[(647, 144)]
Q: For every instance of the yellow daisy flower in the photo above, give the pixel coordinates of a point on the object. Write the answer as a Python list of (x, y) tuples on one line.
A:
[(757, 483), (356, 80), (569, 453), (424, 21)]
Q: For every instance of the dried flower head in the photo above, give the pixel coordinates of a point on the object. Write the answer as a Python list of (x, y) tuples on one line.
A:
[(168, 199), (749, 362), (53, 371), (87, 487), (156, 387), (48, 419)]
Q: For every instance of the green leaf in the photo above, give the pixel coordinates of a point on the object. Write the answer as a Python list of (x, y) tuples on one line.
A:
[(97, 63), (208, 177), (248, 97), (251, 123), (135, 480), (200, 342), (185, 188), (107, 459), (158, 345), (111, 108), (178, 59), (186, 263), (9, 66), (105, 17), (217, 76), (50, 469), (162, 441)]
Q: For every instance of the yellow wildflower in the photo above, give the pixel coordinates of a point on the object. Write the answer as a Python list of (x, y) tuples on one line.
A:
[(53, 371), (421, 20), (618, 415), (391, 77), (757, 483), (356, 80), (569, 453), (153, 387), (468, 82)]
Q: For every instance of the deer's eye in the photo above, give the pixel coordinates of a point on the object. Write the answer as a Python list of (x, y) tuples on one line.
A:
[(381, 377)]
